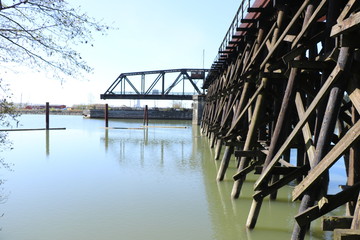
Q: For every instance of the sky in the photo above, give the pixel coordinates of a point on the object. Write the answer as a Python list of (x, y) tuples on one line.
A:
[(147, 35)]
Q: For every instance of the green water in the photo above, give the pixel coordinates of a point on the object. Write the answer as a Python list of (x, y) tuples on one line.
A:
[(87, 182)]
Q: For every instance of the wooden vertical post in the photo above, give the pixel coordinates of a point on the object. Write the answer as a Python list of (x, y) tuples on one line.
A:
[(229, 150), (47, 118), (219, 144), (323, 143), (106, 115), (146, 116), (258, 110), (354, 166)]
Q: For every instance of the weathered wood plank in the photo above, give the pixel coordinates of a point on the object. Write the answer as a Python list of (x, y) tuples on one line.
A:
[(281, 182), (354, 94), (334, 76), (330, 223), (347, 25), (310, 65), (331, 203), (249, 153), (312, 19), (250, 102), (310, 149), (333, 155), (302, 48), (278, 170), (285, 32), (346, 234), (346, 10)]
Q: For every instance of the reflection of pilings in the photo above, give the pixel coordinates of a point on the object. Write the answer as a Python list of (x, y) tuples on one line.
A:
[(47, 142), (106, 139)]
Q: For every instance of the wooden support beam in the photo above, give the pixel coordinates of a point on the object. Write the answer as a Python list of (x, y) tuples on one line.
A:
[(255, 10), (252, 20), (285, 32), (346, 10), (334, 76), (310, 65), (251, 166), (302, 48), (346, 234), (310, 22), (349, 24), (308, 137), (225, 162), (259, 50), (249, 153), (354, 94), (278, 170), (259, 195), (250, 102), (327, 205), (333, 155), (330, 223)]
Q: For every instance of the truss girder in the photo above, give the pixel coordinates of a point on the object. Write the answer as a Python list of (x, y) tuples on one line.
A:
[(117, 89)]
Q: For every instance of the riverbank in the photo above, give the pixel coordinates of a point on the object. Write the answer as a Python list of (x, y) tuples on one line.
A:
[(161, 114), (52, 112)]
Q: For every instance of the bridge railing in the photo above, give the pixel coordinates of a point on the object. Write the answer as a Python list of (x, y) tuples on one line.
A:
[(235, 24)]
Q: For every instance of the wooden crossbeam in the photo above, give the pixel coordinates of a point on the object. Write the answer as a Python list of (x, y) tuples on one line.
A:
[(247, 169), (346, 234), (277, 170), (333, 77), (310, 65), (327, 205), (310, 149), (312, 19), (347, 25), (285, 32), (333, 155), (262, 45), (251, 101), (346, 10), (354, 94), (330, 223), (295, 173), (303, 47)]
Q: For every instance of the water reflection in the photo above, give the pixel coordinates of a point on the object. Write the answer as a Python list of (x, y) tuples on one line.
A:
[(47, 144), (104, 183), (151, 145)]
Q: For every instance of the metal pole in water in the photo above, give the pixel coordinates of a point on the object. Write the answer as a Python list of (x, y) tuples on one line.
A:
[(106, 115), (47, 111)]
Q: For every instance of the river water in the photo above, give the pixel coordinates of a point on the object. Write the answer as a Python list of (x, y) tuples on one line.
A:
[(87, 182)]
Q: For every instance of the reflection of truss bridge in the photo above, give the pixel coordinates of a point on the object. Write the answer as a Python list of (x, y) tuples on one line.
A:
[(179, 84)]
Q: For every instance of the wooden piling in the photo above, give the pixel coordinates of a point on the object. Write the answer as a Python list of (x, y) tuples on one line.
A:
[(47, 116), (280, 89), (106, 115), (146, 116)]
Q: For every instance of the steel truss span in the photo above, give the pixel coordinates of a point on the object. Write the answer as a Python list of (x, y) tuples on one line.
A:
[(170, 84)]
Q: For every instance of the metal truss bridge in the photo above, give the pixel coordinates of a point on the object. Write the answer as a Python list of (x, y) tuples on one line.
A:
[(171, 84)]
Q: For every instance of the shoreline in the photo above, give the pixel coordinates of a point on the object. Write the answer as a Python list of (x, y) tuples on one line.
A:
[(51, 112)]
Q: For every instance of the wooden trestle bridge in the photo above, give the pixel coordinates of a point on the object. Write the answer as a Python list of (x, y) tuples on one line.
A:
[(287, 77)]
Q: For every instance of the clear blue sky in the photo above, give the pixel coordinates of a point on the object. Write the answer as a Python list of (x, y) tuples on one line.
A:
[(150, 35)]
